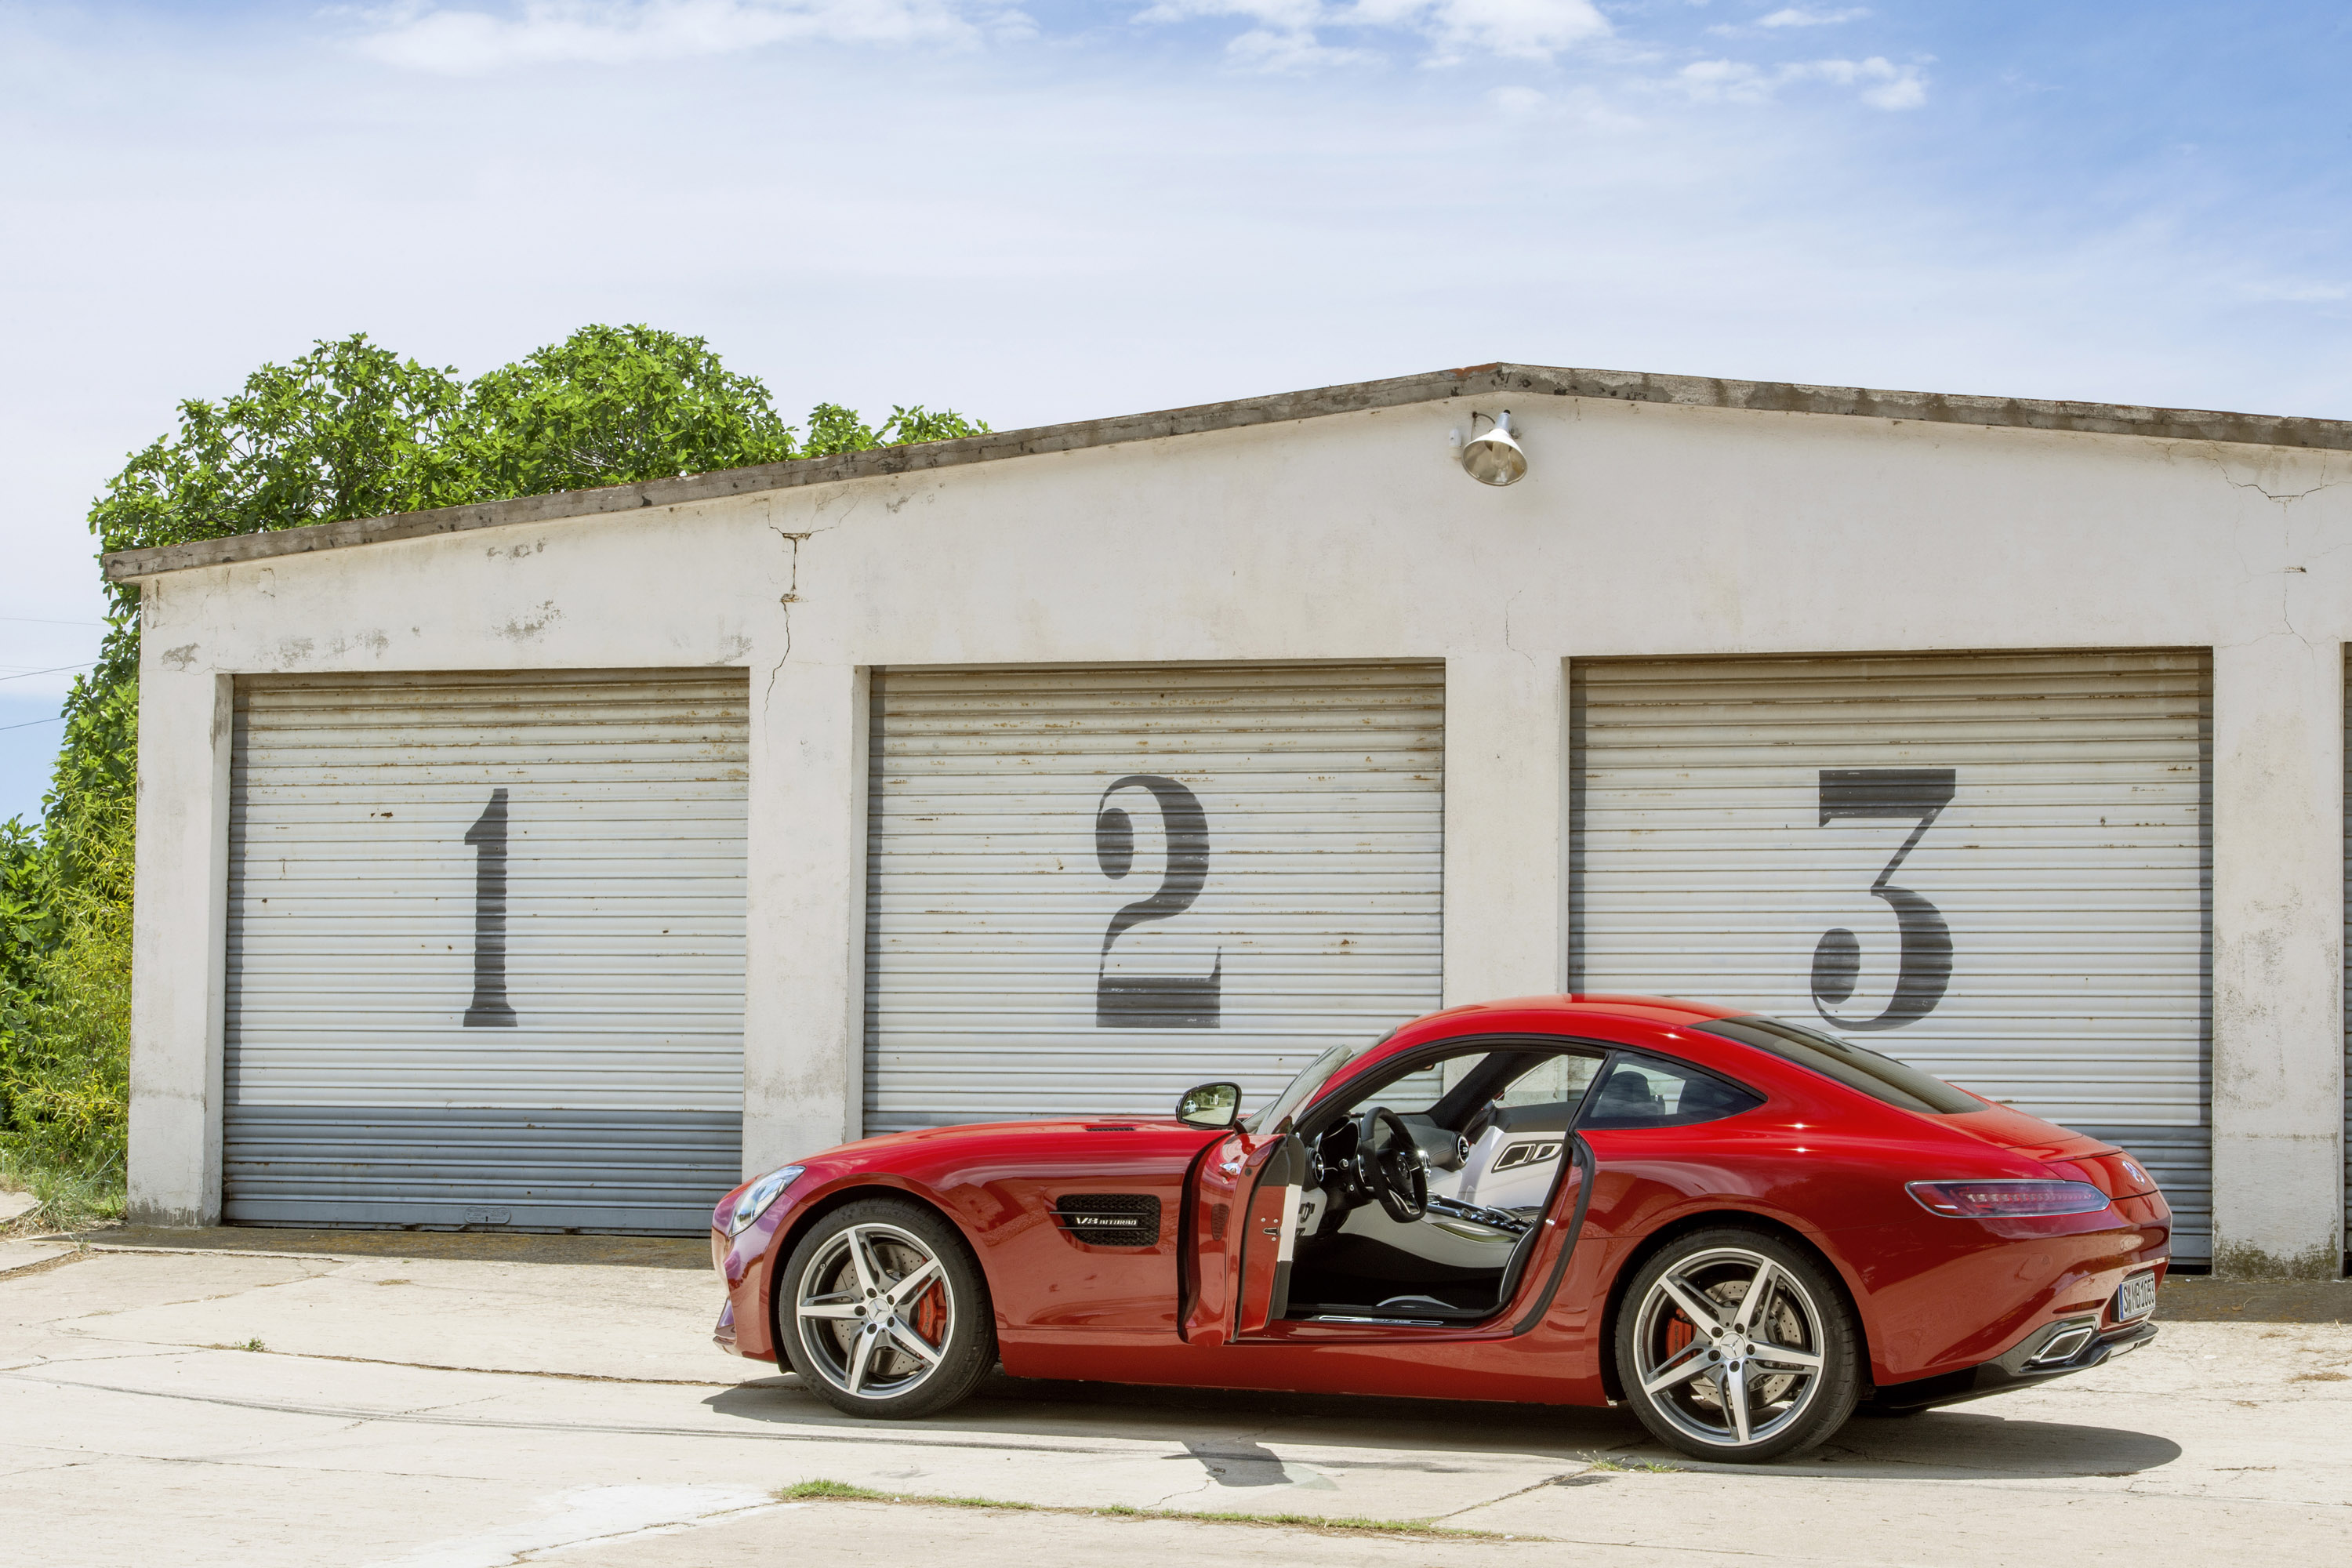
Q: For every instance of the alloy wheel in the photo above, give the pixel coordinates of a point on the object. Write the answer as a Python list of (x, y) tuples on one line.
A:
[(875, 1311), (1729, 1347)]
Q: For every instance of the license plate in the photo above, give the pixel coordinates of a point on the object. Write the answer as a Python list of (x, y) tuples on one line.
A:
[(2136, 1299)]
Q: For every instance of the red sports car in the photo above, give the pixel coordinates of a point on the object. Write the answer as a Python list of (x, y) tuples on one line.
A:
[(1746, 1229)]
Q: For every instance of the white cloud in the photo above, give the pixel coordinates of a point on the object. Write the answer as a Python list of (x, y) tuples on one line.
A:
[(1278, 36), (1881, 83), (1799, 16), (1291, 51), (1449, 31), (450, 41), (1518, 102), (2298, 293)]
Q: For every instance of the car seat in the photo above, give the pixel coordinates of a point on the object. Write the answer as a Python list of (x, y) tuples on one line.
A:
[(1625, 1098)]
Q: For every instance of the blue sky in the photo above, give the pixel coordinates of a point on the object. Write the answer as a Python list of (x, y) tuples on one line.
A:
[(1051, 210)]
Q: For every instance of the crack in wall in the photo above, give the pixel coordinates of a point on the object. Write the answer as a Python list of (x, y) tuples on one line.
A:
[(2292, 567), (792, 595)]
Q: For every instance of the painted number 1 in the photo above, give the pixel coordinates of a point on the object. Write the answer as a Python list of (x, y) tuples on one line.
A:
[(489, 838), (1925, 967)]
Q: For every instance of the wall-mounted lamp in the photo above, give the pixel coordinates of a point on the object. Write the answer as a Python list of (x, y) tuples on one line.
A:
[(1492, 458)]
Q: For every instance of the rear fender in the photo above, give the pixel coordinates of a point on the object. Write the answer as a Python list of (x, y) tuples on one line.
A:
[(1708, 1219)]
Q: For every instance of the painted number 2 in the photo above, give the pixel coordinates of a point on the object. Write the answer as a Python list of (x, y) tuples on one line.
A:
[(489, 838), (1155, 1002), (1925, 968)]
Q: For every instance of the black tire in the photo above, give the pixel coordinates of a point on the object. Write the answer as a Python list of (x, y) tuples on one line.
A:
[(1788, 1407), (886, 1379)]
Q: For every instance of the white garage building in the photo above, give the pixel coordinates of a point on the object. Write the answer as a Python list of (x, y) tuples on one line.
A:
[(545, 864)]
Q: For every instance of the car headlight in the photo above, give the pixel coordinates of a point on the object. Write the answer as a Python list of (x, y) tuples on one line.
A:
[(759, 1196), (2007, 1200)]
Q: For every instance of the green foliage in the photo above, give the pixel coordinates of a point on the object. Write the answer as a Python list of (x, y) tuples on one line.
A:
[(832, 428), (350, 429), (612, 406), (65, 1017), (347, 430)]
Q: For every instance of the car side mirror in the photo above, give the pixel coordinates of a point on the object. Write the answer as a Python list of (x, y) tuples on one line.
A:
[(1211, 1105)]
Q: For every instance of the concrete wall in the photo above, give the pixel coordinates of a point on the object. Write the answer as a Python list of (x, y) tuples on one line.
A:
[(1641, 530)]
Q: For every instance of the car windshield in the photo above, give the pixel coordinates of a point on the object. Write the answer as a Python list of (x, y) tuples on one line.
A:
[(1295, 1093), (1856, 1067)]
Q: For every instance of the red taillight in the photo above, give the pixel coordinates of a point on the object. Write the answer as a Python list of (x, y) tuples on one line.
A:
[(2007, 1200)]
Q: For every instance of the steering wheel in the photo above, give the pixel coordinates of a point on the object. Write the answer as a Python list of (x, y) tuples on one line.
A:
[(1398, 1174)]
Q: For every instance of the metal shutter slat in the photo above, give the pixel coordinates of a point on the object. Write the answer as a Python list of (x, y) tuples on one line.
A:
[(2073, 866), (987, 909), (356, 1093)]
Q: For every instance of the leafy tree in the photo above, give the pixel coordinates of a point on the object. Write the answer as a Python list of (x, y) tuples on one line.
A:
[(350, 429), (610, 406)]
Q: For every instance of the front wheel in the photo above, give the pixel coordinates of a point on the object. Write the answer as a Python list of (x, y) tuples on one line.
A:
[(883, 1310), (1733, 1345)]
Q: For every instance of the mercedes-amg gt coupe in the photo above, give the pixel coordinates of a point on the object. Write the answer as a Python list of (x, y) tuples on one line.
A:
[(1747, 1230)]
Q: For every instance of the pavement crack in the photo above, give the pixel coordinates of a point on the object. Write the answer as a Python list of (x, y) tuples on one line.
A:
[(485, 1371), (1489, 1502), (537, 1553), (892, 1438)]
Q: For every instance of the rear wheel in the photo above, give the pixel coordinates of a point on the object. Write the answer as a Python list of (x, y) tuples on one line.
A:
[(1733, 1345), (883, 1310)]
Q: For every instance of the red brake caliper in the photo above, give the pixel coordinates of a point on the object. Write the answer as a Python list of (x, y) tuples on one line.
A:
[(930, 1315)]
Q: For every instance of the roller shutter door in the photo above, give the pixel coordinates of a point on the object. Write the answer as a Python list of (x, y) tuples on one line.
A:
[(1090, 889), (486, 949), (1995, 867)]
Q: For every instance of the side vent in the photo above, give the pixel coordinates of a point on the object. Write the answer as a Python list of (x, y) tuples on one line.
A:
[(1110, 1219)]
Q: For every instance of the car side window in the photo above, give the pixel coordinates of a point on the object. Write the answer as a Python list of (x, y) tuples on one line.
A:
[(1641, 1091), (1558, 1080)]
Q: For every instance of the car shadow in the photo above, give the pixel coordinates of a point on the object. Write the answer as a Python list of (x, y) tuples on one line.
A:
[(1227, 1431), (1216, 1426), (1954, 1444)]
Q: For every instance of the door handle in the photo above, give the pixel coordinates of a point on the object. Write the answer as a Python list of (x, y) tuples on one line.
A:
[(1271, 1230)]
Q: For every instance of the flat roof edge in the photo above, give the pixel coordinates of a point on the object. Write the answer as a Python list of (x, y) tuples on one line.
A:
[(1626, 386)]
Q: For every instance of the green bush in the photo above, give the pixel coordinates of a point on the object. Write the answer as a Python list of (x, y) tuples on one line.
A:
[(65, 1014), (68, 1077)]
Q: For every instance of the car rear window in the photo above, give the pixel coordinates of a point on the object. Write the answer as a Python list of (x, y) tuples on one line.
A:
[(1646, 1092), (1856, 1067)]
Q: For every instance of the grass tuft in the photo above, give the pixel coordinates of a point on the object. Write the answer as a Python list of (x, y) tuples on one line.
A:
[(1603, 1463), (800, 1491)]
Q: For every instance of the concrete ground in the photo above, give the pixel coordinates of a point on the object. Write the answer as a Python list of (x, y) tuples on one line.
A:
[(262, 1398)]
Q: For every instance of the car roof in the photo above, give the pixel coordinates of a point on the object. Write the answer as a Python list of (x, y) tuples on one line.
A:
[(1566, 1012), (1600, 1018)]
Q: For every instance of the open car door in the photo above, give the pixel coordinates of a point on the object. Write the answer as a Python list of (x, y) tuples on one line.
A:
[(1243, 1227), (1273, 1175)]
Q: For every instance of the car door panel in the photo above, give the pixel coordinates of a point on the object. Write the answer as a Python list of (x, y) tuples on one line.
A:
[(1222, 1217)]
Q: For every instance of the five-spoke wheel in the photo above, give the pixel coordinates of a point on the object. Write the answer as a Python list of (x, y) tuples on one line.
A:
[(1732, 1345), (883, 1311)]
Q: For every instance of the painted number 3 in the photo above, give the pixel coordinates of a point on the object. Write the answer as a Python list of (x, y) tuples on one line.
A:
[(1925, 966)]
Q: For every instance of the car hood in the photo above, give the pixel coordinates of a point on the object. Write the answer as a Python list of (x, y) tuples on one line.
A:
[(1109, 1143)]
